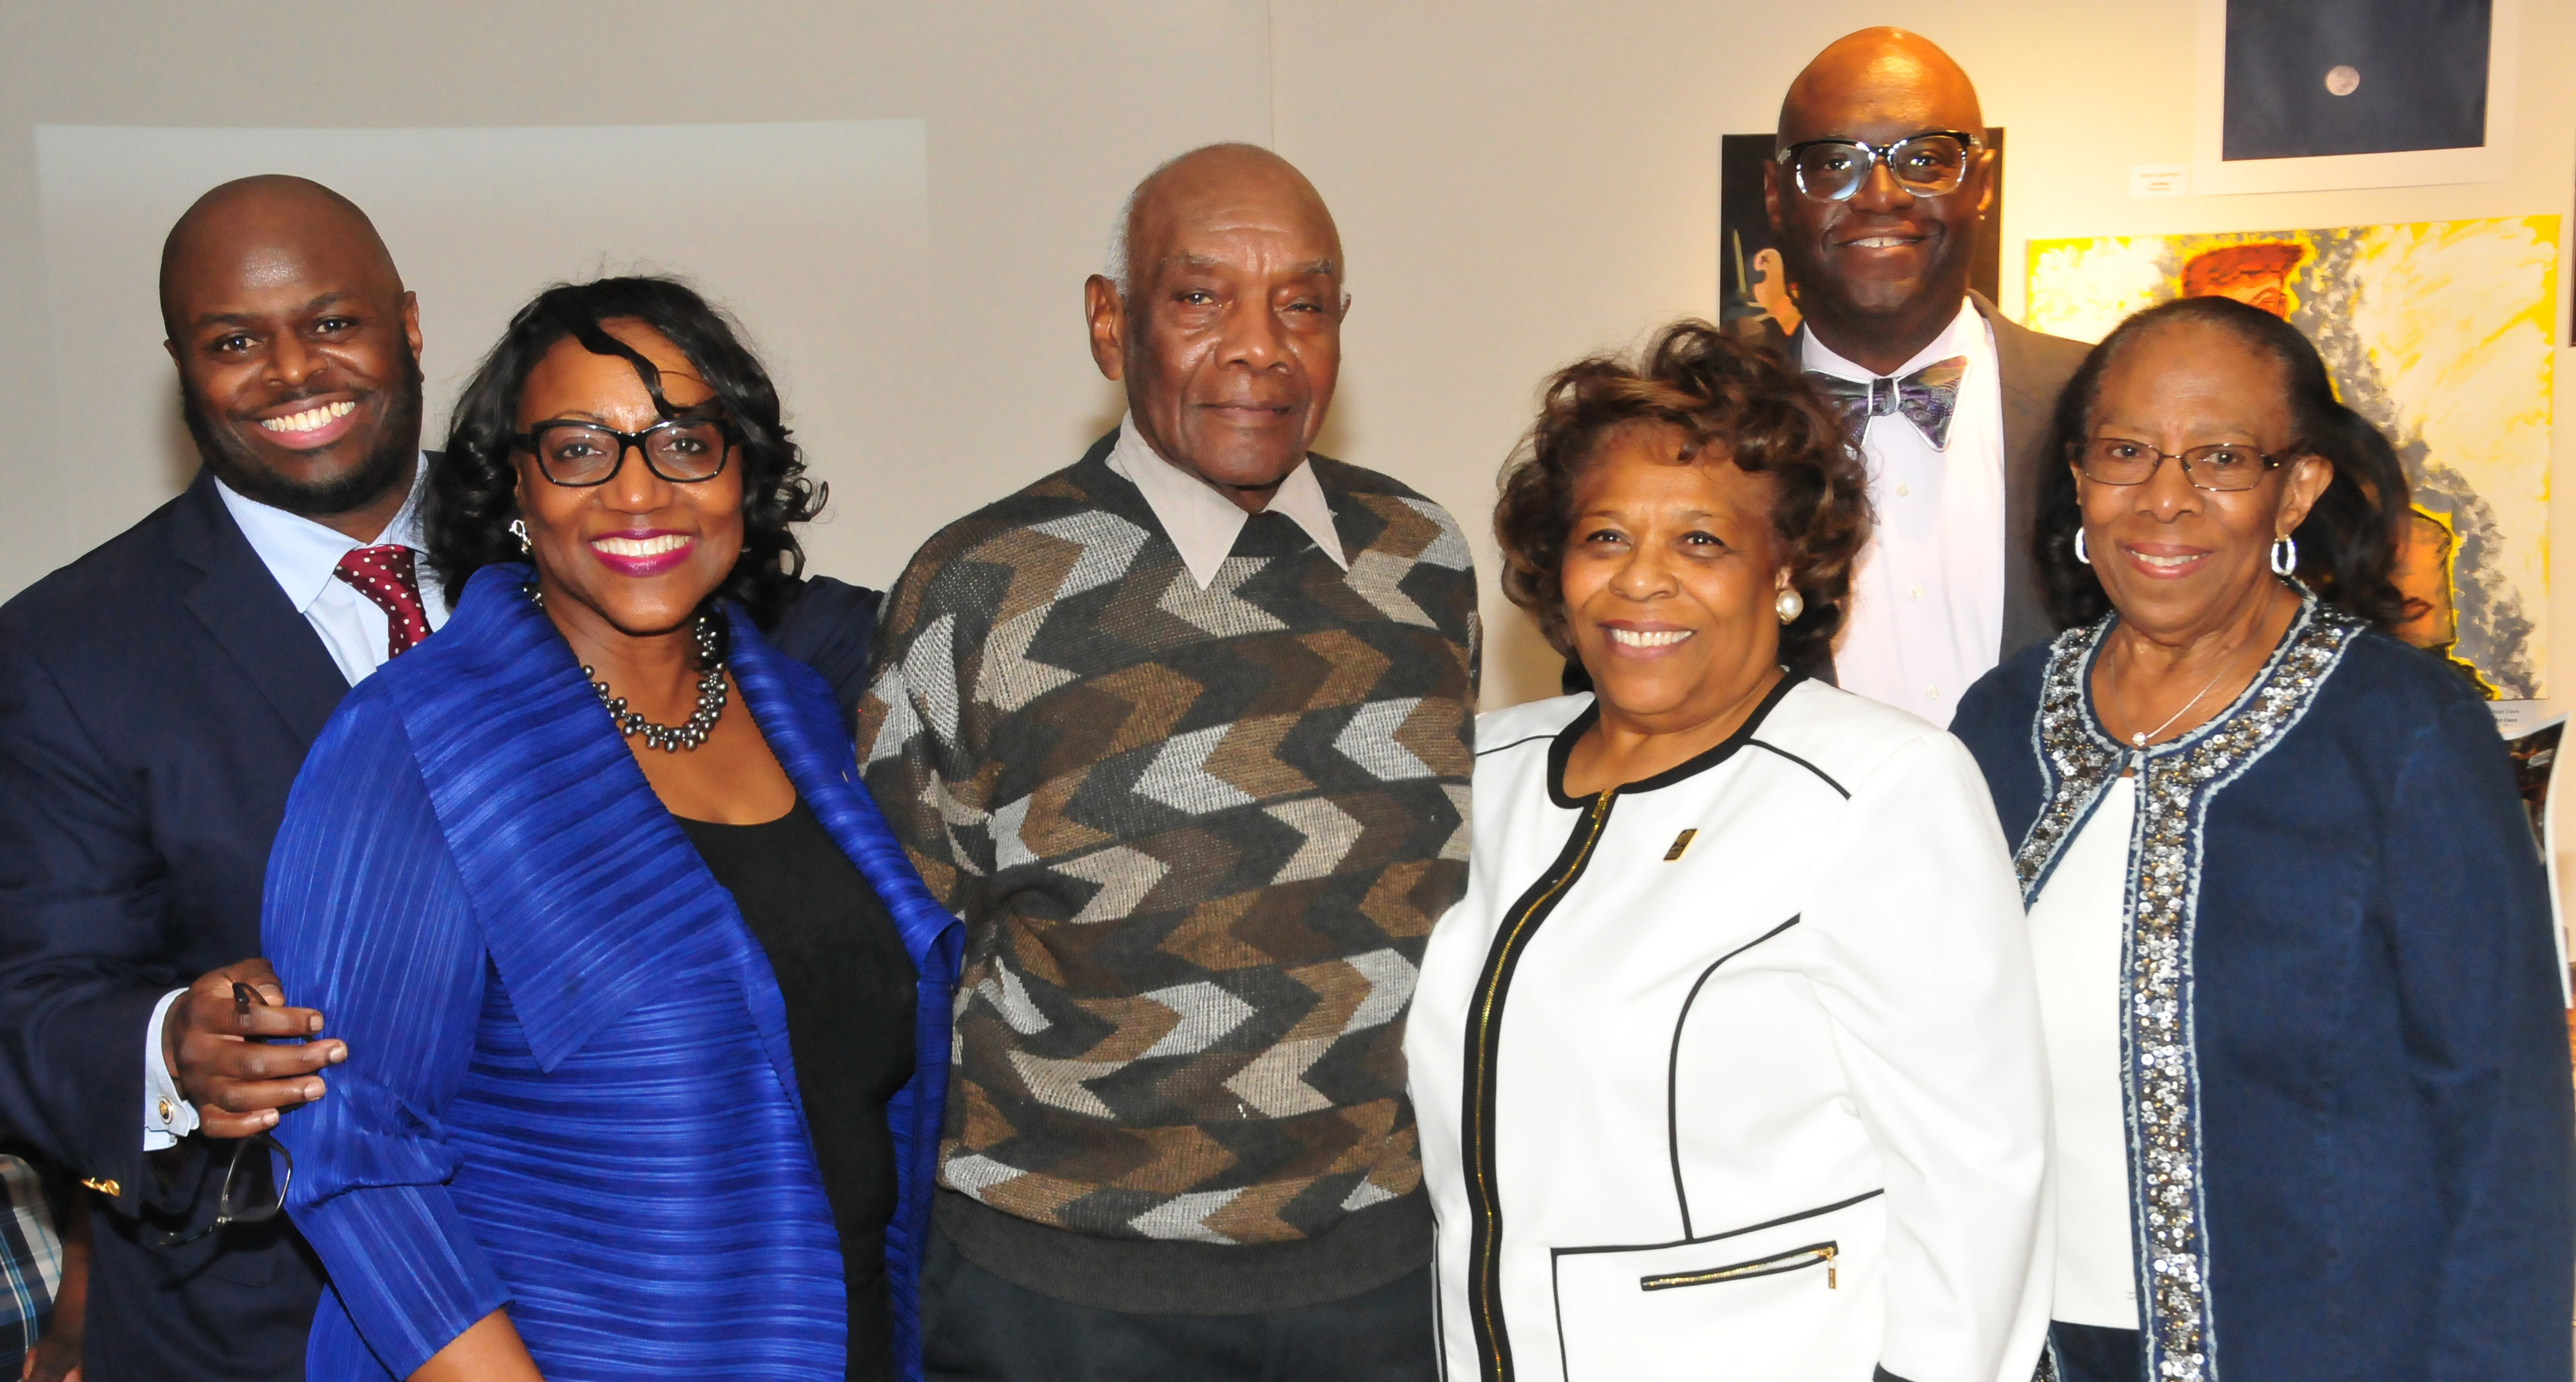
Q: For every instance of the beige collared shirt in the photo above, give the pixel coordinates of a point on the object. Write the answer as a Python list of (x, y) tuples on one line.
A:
[(1202, 522)]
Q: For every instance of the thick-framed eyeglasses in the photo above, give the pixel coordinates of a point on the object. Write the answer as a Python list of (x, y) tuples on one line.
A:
[(2223, 467), (247, 1197), (684, 451), (1930, 164)]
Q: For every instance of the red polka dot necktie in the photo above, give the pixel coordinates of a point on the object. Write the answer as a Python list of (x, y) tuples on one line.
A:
[(384, 575)]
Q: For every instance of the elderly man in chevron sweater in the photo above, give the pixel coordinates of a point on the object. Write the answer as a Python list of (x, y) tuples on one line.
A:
[(1183, 733)]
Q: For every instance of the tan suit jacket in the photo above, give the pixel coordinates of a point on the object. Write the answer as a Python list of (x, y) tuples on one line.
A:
[(2035, 368)]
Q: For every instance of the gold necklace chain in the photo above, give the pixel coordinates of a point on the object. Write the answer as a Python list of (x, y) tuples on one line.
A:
[(2139, 738)]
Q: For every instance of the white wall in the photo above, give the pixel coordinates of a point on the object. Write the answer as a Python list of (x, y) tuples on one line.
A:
[(1518, 182), (1038, 116)]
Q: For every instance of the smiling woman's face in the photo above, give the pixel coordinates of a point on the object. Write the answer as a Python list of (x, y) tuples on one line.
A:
[(2173, 557), (1670, 578), (640, 552)]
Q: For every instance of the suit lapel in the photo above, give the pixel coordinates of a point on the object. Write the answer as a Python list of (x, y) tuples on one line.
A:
[(2031, 384), (239, 602), (2034, 373)]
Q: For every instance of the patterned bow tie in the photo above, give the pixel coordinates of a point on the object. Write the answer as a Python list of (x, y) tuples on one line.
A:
[(1926, 398)]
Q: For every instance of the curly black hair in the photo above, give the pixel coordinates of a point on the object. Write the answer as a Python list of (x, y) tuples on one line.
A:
[(2347, 544), (1729, 400), (472, 489)]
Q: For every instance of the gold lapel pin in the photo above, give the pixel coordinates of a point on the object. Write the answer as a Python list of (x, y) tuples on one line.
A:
[(1680, 842)]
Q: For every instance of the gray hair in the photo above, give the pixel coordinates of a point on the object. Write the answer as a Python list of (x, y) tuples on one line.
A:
[(1116, 269)]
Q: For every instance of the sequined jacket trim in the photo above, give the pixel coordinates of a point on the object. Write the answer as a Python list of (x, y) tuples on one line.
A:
[(2160, 1072)]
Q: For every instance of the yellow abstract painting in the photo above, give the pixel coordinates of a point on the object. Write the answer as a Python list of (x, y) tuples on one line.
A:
[(2439, 334)]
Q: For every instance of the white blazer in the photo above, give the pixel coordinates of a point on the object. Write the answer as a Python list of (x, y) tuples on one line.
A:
[(1736, 1072)]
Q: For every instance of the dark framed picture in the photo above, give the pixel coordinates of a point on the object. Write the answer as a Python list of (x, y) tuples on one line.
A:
[(2303, 96), (2306, 80)]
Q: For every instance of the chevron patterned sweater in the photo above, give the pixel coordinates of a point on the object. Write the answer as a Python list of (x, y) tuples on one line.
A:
[(1198, 838)]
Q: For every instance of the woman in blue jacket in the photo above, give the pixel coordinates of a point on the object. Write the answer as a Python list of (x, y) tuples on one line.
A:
[(646, 1013), (2292, 935)]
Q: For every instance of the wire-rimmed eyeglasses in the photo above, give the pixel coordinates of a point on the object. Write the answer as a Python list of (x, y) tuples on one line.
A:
[(1930, 164), (2221, 468)]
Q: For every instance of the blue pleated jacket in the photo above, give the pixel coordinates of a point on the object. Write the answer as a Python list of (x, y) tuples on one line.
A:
[(569, 1088), (2351, 1132)]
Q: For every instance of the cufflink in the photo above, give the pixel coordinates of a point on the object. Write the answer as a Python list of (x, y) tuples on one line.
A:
[(165, 1113), (108, 1188)]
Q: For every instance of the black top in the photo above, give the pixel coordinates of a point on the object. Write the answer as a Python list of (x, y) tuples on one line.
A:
[(848, 983)]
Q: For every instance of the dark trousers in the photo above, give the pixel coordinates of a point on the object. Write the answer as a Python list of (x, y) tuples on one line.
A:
[(2096, 1353), (977, 1327)]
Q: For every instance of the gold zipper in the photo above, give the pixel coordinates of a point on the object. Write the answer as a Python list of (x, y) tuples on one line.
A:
[(1484, 1047), (1768, 1266)]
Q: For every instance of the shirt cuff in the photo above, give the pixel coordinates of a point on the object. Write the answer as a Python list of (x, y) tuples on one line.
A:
[(167, 1117)]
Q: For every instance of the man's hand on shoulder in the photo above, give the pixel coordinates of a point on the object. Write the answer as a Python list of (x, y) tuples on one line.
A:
[(220, 1051)]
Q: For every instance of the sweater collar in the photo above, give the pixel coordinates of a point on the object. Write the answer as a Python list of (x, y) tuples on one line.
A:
[(1204, 523)]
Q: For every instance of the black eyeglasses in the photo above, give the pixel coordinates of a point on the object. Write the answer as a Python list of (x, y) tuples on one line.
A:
[(579, 455), (2224, 467), (1930, 164)]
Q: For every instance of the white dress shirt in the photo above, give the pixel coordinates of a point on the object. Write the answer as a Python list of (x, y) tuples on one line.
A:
[(1202, 522), (1926, 617), (301, 554), (2075, 939)]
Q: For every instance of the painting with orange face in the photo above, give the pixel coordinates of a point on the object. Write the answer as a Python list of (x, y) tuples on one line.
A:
[(2440, 334)]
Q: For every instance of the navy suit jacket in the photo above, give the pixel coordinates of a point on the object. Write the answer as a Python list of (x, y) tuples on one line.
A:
[(156, 699)]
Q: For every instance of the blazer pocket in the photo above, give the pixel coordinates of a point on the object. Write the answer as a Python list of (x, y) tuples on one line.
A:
[(1795, 1299)]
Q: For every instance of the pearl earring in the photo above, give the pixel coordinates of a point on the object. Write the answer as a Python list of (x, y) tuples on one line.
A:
[(1790, 604)]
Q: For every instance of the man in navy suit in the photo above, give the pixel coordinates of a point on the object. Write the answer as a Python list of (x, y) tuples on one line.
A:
[(156, 699)]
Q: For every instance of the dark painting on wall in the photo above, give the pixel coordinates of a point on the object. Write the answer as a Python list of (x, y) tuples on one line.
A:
[(1753, 294), (2306, 80)]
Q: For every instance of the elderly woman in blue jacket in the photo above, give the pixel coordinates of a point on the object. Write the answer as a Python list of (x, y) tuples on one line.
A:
[(646, 1014), (2292, 934)]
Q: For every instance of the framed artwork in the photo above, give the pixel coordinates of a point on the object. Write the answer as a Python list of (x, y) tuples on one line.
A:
[(2438, 333), (1753, 293), (2296, 96)]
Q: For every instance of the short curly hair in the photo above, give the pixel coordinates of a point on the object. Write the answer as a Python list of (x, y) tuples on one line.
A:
[(1729, 400), (473, 487)]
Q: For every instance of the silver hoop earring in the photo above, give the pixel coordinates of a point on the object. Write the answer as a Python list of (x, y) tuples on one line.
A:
[(519, 530), (2080, 554), (2285, 556), (1790, 604)]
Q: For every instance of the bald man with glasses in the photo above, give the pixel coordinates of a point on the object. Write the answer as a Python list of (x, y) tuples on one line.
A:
[(1881, 186)]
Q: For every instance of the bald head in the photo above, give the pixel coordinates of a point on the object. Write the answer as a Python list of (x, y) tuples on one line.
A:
[(1204, 179), (1879, 267), (260, 228), (1222, 314), (297, 350), (1879, 76)]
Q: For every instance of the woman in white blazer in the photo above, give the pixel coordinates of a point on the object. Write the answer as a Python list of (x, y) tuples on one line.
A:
[(1729, 1064)]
